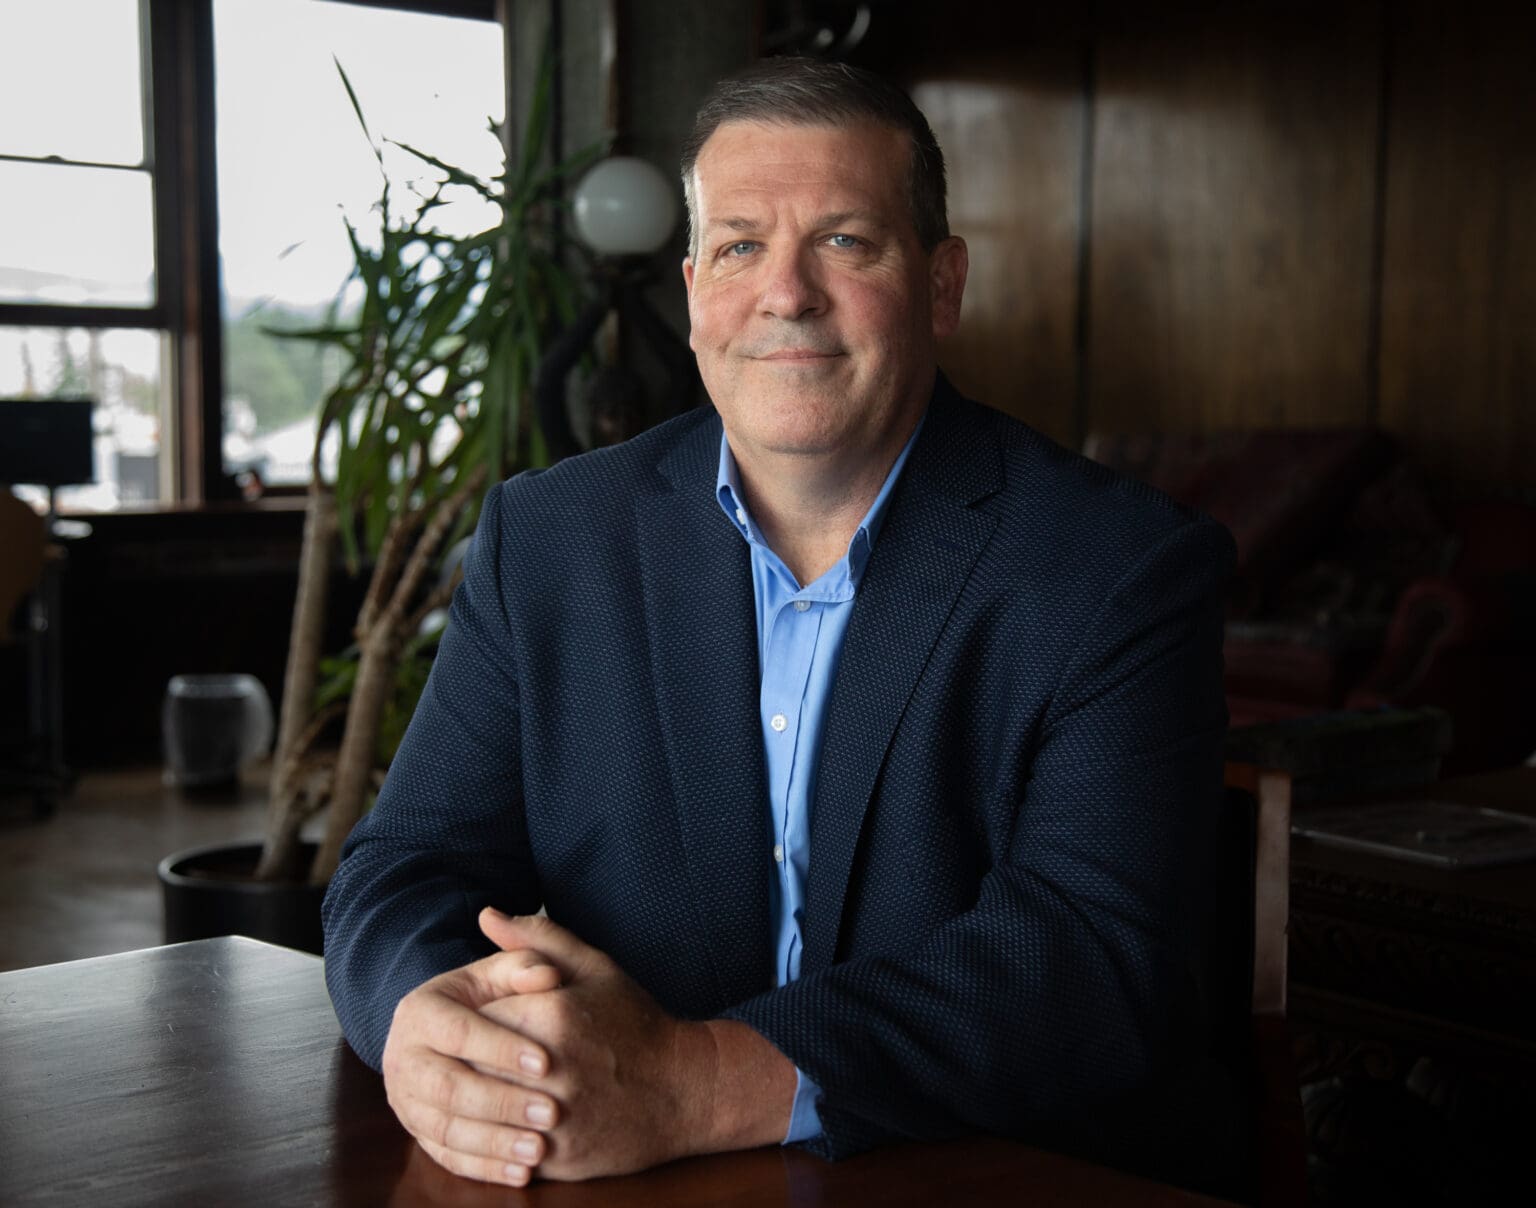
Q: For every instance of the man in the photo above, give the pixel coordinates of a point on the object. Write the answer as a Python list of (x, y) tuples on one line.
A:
[(860, 743)]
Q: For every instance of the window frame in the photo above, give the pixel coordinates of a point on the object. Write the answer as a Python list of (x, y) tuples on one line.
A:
[(177, 82)]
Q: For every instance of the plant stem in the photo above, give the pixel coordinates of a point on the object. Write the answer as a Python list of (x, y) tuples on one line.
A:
[(359, 741), (306, 638)]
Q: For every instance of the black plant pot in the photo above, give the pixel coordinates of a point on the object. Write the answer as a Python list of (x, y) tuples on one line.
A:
[(209, 891)]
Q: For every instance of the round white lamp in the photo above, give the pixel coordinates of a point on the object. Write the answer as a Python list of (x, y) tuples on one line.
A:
[(625, 207)]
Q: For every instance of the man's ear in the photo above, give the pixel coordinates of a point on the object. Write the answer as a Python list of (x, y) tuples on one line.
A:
[(948, 265), (688, 286)]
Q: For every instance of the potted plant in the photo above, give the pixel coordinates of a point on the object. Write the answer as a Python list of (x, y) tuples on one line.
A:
[(428, 411)]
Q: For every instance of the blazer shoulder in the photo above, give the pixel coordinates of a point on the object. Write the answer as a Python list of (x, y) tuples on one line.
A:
[(596, 481), (1057, 503), (1031, 454)]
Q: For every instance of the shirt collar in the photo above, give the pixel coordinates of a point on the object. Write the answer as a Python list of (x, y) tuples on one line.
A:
[(733, 503)]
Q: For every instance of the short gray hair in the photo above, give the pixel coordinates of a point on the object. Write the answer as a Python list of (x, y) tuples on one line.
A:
[(793, 91)]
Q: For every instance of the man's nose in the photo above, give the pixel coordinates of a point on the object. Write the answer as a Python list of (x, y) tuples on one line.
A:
[(792, 288)]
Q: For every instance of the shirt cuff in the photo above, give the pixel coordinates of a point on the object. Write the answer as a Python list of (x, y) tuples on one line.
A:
[(804, 1123)]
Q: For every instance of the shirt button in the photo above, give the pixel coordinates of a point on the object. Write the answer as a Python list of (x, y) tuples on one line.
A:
[(741, 515), (802, 605), (778, 853), (778, 721)]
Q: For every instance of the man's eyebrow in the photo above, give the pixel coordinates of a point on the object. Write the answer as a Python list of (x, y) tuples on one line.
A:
[(743, 225), (867, 217)]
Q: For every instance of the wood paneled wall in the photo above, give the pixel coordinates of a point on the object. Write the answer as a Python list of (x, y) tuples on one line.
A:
[(1017, 339), (1231, 224), (1458, 338), (1207, 216)]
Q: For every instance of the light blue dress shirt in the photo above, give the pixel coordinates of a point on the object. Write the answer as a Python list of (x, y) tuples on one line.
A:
[(800, 634)]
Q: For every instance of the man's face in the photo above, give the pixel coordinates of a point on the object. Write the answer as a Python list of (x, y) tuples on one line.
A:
[(814, 308)]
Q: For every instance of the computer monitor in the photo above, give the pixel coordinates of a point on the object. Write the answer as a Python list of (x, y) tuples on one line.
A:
[(46, 442)]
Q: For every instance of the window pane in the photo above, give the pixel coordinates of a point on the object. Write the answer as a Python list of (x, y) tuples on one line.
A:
[(124, 371), (70, 86), (293, 160), (76, 235)]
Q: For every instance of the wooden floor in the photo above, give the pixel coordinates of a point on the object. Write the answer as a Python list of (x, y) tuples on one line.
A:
[(82, 882)]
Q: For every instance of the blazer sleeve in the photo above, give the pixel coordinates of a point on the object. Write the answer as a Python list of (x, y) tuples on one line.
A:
[(1068, 986), (447, 834)]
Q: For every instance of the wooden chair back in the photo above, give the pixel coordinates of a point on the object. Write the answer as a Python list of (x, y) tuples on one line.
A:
[(23, 538), (1263, 798)]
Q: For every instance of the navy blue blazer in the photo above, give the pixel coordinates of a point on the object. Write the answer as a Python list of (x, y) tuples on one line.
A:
[(1010, 833)]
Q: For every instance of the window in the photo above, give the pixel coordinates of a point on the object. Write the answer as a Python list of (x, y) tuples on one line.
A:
[(292, 160), (81, 303), (130, 132)]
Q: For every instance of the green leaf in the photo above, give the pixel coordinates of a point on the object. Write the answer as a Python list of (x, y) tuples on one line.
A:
[(358, 109), (456, 176), (438, 352), (538, 117)]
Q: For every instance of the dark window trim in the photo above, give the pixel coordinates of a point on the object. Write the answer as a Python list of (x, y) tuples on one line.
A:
[(481, 10), (49, 314), (188, 239)]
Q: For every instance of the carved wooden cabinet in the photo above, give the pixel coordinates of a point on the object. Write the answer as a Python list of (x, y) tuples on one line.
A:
[(1413, 1009)]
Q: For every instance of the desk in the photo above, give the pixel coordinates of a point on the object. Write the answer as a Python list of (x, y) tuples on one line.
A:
[(214, 1072)]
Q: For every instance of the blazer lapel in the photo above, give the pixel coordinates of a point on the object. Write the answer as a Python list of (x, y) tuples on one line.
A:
[(925, 552), (697, 588)]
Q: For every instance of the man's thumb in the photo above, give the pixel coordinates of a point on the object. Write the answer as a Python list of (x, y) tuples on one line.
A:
[(552, 941)]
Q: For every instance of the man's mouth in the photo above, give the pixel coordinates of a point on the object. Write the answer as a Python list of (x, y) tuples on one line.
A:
[(797, 354)]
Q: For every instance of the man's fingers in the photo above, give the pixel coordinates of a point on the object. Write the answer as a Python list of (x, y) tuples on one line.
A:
[(536, 976), (472, 1166), (480, 1138), (437, 1093), (560, 946), (473, 1089), (445, 1026), (517, 971)]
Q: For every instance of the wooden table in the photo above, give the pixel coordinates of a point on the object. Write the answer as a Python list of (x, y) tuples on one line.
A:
[(214, 1073)]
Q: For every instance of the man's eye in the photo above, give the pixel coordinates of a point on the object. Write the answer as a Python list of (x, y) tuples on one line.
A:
[(740, 249), (843, 241)]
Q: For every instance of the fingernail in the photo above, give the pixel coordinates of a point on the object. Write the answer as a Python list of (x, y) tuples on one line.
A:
[(515, 1173), (540, 1113), (496, 912), (527, 1148), (532, 1063)]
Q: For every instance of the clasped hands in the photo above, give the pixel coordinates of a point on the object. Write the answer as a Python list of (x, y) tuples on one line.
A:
[(547, 1057)]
